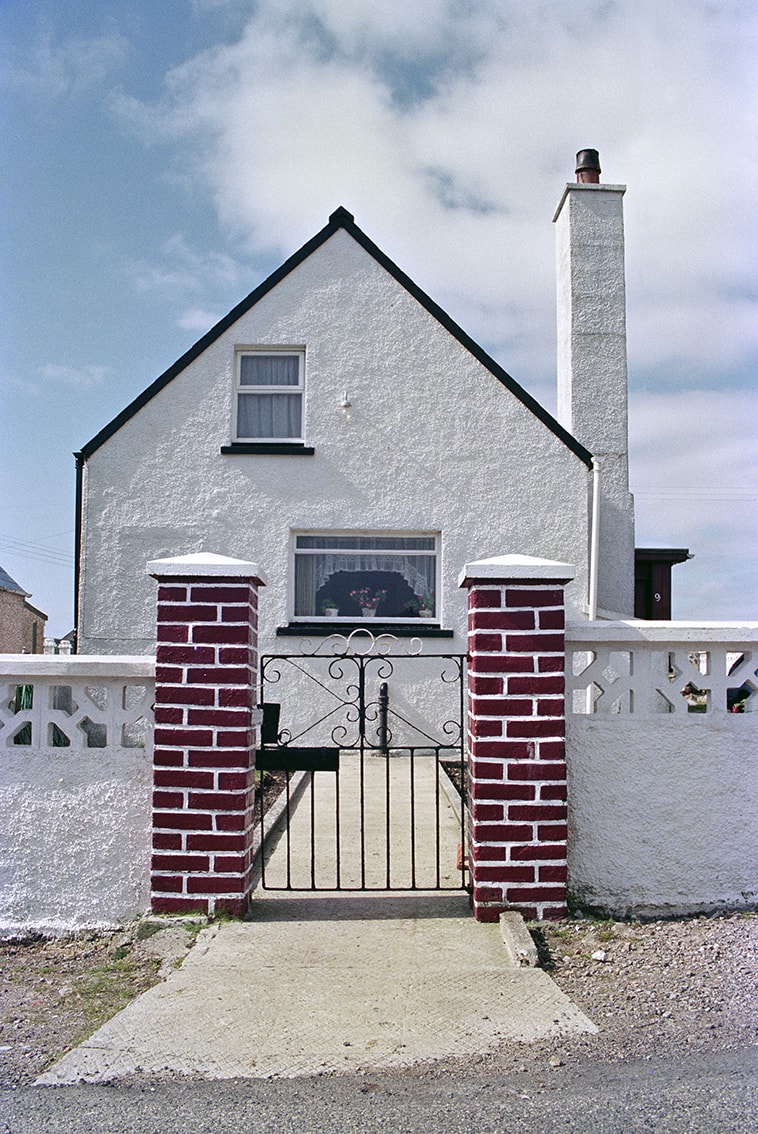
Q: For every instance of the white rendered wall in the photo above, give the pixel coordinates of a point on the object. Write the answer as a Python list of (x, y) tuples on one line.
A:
[(662, 816), (433, 443), (74, 838)]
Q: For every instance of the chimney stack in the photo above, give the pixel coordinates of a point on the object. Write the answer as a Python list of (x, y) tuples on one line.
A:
[(592, 371)]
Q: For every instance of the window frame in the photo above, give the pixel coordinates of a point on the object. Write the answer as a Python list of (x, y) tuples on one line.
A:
[(241, 352), (380, 533)]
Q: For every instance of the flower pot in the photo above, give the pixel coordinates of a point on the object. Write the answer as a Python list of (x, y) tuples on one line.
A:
[(425, 614), (330, 612), (368, 612)]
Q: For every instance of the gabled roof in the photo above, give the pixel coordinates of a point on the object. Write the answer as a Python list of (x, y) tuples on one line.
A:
[(8, 584), (340, 219)]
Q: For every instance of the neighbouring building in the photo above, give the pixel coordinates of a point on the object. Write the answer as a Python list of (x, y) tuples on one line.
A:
[(22, 626)]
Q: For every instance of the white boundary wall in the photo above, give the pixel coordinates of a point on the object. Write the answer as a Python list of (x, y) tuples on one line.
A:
[(75, 821), (662, 789)]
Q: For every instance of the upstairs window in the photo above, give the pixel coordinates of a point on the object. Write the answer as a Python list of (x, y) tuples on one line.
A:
[(359, 576), (269, 389)]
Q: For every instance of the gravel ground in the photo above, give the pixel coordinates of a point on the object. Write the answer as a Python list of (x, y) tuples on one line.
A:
[(654, 989)]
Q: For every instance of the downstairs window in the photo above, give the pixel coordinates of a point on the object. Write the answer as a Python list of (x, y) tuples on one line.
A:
[(340, 575)]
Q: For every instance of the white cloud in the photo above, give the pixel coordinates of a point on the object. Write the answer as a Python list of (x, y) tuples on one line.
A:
[(457, 177), (67, 69), (197, 319), (78, 376)]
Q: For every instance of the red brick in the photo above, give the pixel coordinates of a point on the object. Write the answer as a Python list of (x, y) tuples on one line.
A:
[(487, 894), (501, 749), (183, 737), (219, 717), (183, 862), (536, 643), (168, 714), (553, 791), (531, 812), (186, 655), (160, 904), (487, 598), (222, 635), (167, 883), (236, 614), (536, 893), (236, 655), (556, 851), (521, 791), (184, 695), (182, 777), (483, 685), (501, 620), (501, 832), (537, 596), (215, 842), (486, 770), (536, 685), (553, 873), (168, 757), (167, 799), (485, 643), (537, 770), (240, 738), (551, 750), (213, 884), (235, 781), (219, 675), (551, 663), (552, 832), (485, 811), (218, 800), (229, 698), (182, 821), (168, 675), (218, 758), (171, 592), (173, 632), (232, 821), (491, 855), (502, 663), (550, 707), (504, 873), (554, 727), (553, 912), (167, 840), (485, 913), (503, 707), (212, 592), (188, 612), (552, 619), (229, 864), (488, 726)]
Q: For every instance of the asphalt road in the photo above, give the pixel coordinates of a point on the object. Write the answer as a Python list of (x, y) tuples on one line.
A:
[(697, 1094)]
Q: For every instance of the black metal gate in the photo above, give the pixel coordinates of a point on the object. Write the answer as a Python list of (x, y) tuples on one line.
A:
[(364, 737)]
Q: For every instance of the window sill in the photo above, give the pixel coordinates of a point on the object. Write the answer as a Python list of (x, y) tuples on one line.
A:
[(272, 448), (421, 629)]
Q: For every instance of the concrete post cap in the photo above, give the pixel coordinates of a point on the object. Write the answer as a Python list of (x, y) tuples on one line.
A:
[(517, 568), (203, 564)]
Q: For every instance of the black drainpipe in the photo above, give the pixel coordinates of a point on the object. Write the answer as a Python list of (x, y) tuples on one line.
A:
[(79, 458)]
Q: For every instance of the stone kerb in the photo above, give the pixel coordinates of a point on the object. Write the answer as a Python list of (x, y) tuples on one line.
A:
[(204, 744), (517, 816)]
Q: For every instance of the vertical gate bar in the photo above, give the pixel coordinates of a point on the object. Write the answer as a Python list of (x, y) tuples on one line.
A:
[(384, 703), (463, 770), (262, 821), (438, 819), (289, 847), (337, 804), (362, 758), (312, 777), (413, 818), (387, 804)]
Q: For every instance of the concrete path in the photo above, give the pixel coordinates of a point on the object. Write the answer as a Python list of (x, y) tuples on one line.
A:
[(330, 982)]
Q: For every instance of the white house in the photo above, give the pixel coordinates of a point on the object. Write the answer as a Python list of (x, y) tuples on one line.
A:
[(340, 430)]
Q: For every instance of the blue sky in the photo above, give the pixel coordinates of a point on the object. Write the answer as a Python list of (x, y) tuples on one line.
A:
[(161, 159)]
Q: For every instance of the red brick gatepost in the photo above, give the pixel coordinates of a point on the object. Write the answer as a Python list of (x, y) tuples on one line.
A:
[(516, 736), (204, 744)]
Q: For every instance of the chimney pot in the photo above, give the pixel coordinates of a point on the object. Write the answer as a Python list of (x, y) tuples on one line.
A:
[(588, 167)]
